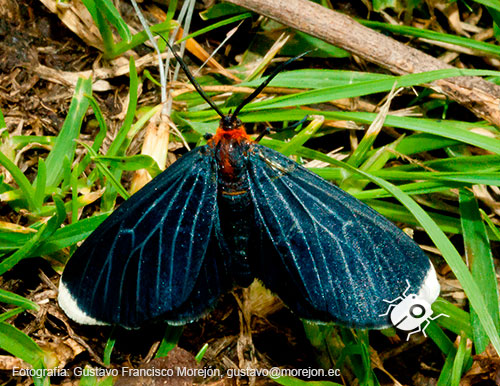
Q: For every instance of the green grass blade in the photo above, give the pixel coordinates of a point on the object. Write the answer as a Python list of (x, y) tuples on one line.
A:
[(99, 138), (139, 124), (12, 239), (445, 376), (198, 357), (43, 233), (131, 163), (458, 363), (79, 202), (106, 381), (391, 174), (477, 163), (108, 350), (448, 129), (11, 313), (55, 221), (150, 77), (412, 188), (374, 163), (291, 381), (359, 154), (112, 180), (17, 300), (495, 15), (211, 27), (101, 23), (431, 127), (326, 341), (476, 178), (440, 338), (139, 38), (69, 235), (111, 15), (88, 379), (478, 253), (454, 130), (73, 182), (170, 339), (492, 227), (28, 193), (20, 345), (2, 121), (302, 137), (363, 88), (420, 142), (40, 183), (487, 48), (369, 377), (220, 10), (66, 181), (65, 145), (22, 252), (118, 147), (489, 3), (458, 321), (318, 78), (172, 7)]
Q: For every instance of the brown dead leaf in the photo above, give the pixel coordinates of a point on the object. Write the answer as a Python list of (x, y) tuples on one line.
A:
[(155, 145), (378, 364), (223, 382), (453, 14), (8, 362), (197, 50), (113, 69), (420, 379), (177, 358), (71, 383), (78, 19), (60, 351), (486, 366)]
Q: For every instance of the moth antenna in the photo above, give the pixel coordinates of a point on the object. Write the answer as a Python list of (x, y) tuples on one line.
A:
[(192, 79), (259, 89)]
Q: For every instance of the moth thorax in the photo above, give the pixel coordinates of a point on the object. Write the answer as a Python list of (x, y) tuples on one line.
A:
[(232, 159)]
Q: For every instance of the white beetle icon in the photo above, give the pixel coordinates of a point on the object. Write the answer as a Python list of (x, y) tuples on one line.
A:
[(410, 313)]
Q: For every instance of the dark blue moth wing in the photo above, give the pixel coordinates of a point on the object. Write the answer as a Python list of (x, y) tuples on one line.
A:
[(154, 256), (327, 255)]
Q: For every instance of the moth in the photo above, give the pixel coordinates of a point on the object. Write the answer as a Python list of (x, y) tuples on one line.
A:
[(232, 211)]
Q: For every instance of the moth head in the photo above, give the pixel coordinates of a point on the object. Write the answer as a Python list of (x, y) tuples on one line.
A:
[(230, 122)]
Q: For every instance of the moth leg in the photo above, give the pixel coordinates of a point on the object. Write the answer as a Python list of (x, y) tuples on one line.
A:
[(296, 124), (264, 132), (268, 130)]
